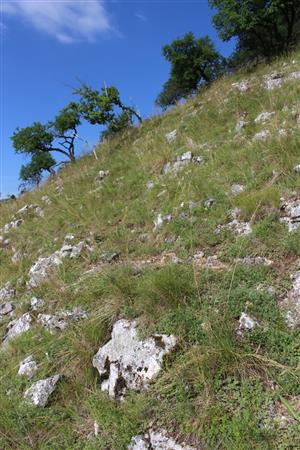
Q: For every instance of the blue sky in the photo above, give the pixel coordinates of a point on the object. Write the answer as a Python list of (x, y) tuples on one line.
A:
[(46, 46)]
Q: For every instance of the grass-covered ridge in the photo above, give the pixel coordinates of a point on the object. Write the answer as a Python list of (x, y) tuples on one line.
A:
[(219, 389)]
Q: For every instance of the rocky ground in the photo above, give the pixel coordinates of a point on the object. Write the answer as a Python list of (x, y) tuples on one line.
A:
[(150, 299)]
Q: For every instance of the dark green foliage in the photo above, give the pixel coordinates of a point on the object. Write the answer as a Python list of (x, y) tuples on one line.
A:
[(105, 108), (31, 173), (193, 62), (263, 28), (39, 140)]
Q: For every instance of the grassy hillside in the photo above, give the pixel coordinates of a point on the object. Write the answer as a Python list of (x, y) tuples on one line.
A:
[(220, 389)]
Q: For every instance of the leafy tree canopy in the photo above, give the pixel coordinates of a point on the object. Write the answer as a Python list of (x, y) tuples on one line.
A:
[(32, 173), (193, 62), (263, 28), (105, 108)]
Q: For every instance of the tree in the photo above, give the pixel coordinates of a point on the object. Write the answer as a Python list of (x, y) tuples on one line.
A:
[(39, 140), (193, 62), (105, 108), (32, 173), (263, 28)]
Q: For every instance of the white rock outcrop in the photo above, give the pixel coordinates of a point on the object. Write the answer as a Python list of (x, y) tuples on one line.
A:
[(264, 116), (160, 220), (17, 327), (246, 323), (27, 367), (237, 227), (262, 135), (39, 393), (156, 440), (171, 137), (41, 268), (242, 86), (236, 189), (291, 303), (127, 362), (6, 309), (7, 292), (291, 213), (34, 209)]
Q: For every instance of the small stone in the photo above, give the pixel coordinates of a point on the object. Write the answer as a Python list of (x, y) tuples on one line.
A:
[(242, 86), (209, 203), (297, 168), (27, 367), (241, 124), (273, 80), (52, 323), (246, 323), (291, 209), (46, 199), (36, 303), (109, 257), (160, 219), (237, 189), (7, 292), (187, 156), (39, 393), (77, 250), (102, 174), (171, 137), (6, 309), (156, 440), (262, 135), (150, 185), (291, 303), (263, 117)]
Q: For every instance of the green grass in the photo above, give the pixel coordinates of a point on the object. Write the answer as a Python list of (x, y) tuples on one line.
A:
[(217, 389)]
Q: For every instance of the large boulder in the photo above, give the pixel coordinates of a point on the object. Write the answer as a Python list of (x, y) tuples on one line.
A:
[(127, 362)]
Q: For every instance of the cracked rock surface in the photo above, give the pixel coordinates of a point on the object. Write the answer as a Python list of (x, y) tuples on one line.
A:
[(156, 440), (39, 392), (126, 362)]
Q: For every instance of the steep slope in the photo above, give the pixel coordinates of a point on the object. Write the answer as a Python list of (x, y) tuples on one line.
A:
[(185, 244)]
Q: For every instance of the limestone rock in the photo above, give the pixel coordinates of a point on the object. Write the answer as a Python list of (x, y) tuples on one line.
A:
[(36, 303), (236, 226), (27, 367), (6, 309), (291, 303), (46, 199), (7, 292), (241, 124), (156, 440), (256, 261), (242, 86), (237, 189), (291, 213), (17, 327), (262, 135), (209, 202), (41, 268), (109, 257), (160, 219), (15, 223), (150, 185), (246, 323), (77, 249), (297, 168), (264, 116), (39, 393), (273, 80), (52, 323), (171, 137), (35, 209), (126, 362)]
